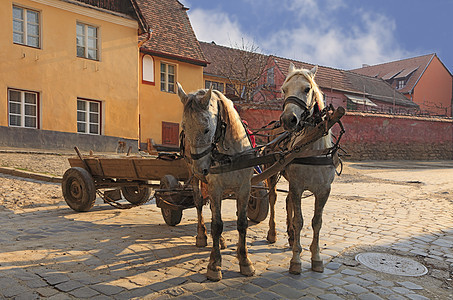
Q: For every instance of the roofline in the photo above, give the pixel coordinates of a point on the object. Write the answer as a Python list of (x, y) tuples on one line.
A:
[(141, 19), (393, 61), (421, 74), (175, 57)]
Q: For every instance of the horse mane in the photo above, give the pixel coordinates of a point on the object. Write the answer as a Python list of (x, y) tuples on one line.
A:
[(230, 115), (317, 92)]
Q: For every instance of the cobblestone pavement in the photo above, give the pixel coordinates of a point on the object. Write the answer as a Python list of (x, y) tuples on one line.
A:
[(49, 251)]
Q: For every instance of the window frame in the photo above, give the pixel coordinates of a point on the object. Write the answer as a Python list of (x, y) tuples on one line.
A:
[(215, 85), (400, 84), (270, 78), (25, 32), (166, 74), (153, 70), (85, 41), (23, 105), (87, 113)]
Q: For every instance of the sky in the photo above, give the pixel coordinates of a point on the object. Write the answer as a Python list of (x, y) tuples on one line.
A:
[(341, 34)]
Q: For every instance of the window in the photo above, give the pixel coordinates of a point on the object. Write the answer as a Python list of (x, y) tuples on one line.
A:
[(400, 84), (26, 27), (214, 84), (270, 76), (87, 41), (88, 116), (167, 78), (230, 89), (23, 108), (148, 69)]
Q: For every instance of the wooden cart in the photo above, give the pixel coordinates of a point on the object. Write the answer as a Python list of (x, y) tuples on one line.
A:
[(134, 177)]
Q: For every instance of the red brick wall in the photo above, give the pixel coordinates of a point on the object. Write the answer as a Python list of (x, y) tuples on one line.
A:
[(375, 136)]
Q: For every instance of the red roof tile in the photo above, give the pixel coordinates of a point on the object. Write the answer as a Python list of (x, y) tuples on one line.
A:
[(172, 35), (230, 62), (346, 81), (412, 68)]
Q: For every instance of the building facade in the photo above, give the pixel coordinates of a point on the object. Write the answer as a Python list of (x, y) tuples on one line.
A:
[(424, 80)]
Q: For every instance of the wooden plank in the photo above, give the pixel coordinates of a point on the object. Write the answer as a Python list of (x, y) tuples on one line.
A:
[(155, 169), (93, 163), (118, 168)]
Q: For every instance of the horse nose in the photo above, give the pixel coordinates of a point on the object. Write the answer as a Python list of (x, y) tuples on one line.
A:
[(289, 121)]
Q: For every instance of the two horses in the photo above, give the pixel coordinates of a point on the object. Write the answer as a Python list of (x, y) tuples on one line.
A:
[(212, 127)]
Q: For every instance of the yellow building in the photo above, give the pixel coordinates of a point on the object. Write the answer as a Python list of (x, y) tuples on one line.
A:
[(169, 53), (71, 72)]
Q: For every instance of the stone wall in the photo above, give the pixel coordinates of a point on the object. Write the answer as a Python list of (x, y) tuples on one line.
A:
[(382, 137)]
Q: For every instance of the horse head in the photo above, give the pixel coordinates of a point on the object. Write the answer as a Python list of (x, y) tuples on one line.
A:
[(301, 93), (199, 122)]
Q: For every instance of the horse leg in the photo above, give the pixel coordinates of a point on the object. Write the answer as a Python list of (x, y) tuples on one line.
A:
[(289, 220), (316, 223), (245, 264), (202, 238), (272, 233), (214, 272), (294, 195)]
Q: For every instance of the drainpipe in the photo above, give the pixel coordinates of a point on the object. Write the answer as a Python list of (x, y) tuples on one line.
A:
[(148, 36)]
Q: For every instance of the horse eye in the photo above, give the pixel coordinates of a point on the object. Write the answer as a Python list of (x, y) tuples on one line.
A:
[(206, 131), (307, 90)]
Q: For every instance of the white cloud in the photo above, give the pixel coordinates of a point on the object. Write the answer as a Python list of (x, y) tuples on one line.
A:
[(318, 35), (210, 25)]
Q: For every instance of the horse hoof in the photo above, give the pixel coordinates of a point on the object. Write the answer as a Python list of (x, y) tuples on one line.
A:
[(317, 266), (222, 243), (201, 241), (271, 237), (214, 275), (295, 268), (247, 270)]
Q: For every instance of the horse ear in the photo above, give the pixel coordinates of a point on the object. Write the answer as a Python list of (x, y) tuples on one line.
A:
[(292, 68), (313, 71), (206, 98), (182, 95)]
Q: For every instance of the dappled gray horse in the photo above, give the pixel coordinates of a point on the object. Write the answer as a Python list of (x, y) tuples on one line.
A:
[(211, 124), (301, 94)]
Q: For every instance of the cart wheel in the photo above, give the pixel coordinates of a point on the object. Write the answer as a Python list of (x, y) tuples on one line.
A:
[(136, 195), (78, 188), (258, 204), (171, 217)]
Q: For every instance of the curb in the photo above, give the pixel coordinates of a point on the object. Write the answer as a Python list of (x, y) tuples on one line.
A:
[(30, 175)]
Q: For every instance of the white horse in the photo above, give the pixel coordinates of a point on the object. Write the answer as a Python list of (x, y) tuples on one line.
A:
[(212, 126), (301, 94)]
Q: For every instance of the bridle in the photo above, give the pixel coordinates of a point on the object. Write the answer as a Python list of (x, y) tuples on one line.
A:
[(300, 103), (219, 136)]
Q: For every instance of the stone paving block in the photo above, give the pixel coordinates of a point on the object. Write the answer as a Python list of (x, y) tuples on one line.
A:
[(27, 296), (339, 291), (316, 283), (356, 289), (55, 278), (83, 292), (250, 288), (402, 290), (380, 290), (13, 290), (46, 291), (396, 297), (369, 296), (416, 297), (385, 283), (357, 280), (68, 286), (107, 289), (335, 281), (291, 282), (36, 283), (287, 292), (263, 282), (314, 291), (410, 285), (159, 286), (350, 272), (333, 266), (233, 293), (60, 296), (206, 294), (329, 297)]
